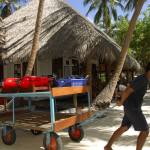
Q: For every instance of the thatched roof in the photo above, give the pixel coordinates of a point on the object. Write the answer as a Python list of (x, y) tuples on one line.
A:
[(64, 32)]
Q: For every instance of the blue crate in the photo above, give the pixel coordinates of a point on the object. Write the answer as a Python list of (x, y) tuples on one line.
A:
[(71, 82), (79, 82), (63, 82)]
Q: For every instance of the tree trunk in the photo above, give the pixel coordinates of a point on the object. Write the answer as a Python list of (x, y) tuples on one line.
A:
[(36, 38), (105, 97)]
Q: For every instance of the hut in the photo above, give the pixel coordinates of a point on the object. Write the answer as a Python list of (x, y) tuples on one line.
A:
[(69, 43)]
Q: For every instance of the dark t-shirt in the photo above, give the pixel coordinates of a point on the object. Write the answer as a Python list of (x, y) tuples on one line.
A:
[(135, 100)]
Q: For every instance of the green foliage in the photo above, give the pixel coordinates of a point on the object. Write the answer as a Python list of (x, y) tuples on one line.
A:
[(140, 45), (121, 29), (105, 11), (141, 39)]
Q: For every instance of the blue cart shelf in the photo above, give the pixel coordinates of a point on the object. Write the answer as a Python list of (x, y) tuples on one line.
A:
[(47, 122)]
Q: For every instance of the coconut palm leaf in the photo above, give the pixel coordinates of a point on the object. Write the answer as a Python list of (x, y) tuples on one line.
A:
[(94, 5), (114, 13), (105, 10), (86, 2), (130, 4), (98, 15)]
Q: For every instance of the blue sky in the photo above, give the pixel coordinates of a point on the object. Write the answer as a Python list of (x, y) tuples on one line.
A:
[(78, 5)]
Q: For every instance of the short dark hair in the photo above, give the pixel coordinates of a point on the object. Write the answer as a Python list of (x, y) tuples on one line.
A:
[(147, 67)]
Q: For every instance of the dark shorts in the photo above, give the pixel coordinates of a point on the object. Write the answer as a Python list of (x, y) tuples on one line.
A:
[(136, 119)]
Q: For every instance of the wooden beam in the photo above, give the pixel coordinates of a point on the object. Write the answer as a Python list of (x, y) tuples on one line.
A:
[(68, 122), (63, 91), (43, 88)]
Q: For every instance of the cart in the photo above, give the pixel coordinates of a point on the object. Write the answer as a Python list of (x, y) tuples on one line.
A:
[(47, 122)]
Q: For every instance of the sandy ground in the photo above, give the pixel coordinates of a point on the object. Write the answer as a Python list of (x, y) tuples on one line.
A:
[(96, 135)]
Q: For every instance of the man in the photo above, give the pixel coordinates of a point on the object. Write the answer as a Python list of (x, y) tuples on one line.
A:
[(132, 99)]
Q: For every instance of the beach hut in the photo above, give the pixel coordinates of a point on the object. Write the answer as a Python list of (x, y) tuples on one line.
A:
[(69, 43)]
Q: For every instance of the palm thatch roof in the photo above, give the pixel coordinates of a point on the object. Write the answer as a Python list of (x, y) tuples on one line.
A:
[(64, 32)]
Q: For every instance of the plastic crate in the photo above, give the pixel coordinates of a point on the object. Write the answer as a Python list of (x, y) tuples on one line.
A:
[(28, 82), (63, 82), (11, 85), (79, 82)]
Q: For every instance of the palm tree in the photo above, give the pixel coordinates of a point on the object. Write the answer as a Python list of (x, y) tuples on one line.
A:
[(106, 95), (36, 38), (105, 10)]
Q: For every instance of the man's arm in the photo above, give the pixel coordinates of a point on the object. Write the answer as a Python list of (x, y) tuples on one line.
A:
[(128, 91)]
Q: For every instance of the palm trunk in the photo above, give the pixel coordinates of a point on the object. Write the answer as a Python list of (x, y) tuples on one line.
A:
[(105, 97), (36, 38)]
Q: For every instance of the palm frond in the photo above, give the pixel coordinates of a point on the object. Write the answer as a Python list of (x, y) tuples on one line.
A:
[(106, 16), (86, 2), (130, 5), (94, 5), (98, 15), (114, 13), (121, 6)]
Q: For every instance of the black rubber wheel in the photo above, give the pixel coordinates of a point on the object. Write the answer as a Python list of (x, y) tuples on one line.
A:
[(55, 142), (76, 133), (8, 135), (36, 132)]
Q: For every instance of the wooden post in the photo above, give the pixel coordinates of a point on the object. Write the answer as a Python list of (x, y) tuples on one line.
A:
[(75, 101), (89, 72), (35, 67), (107, 70)]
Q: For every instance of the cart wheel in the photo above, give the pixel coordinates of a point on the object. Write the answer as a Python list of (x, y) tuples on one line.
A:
[(8, 135), (36, 132), (76, 133), (55, 142)]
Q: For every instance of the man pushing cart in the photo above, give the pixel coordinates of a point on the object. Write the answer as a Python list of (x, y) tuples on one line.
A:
[(132, 99)]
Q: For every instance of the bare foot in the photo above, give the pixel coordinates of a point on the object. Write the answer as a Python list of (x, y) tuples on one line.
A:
[(107, 148)]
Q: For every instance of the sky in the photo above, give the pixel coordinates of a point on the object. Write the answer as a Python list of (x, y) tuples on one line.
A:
[(78, 5)]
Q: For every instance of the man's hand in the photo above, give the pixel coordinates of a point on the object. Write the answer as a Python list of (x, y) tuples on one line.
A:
[(129, 90)]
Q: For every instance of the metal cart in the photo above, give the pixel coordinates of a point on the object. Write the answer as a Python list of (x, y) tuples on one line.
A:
[(47, 122)]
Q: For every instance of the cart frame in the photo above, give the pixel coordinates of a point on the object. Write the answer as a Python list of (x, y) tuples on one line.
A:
[(66, 121)]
